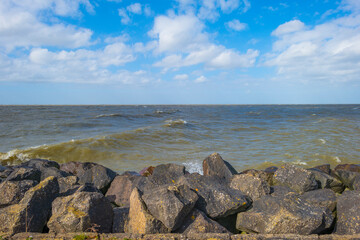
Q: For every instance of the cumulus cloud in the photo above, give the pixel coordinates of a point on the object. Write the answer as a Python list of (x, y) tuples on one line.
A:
[(183, 39), (236, 25), (210, 9), (181, 77), (328, 51), (22, 26), (135, 8), (200, 79)]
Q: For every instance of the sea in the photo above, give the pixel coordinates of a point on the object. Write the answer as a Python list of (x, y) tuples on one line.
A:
[(131, 137)]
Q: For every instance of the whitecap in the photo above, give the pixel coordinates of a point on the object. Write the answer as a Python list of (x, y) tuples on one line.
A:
[(299, 162), (337, 159), (194, 167), (323, 141)]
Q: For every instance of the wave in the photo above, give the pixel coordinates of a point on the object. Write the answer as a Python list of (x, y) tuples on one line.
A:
[(109, 115), (156, 113), (175, 123)]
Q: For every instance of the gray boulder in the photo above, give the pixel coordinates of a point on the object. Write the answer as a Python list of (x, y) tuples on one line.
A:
[(249, 185), (121, 188), (12, 192), (214, 165), (348, 213), (356, 183), (67, 183), (24, 173), (198, 222), (32, 212), (53, 171), (121, 215), (98, 175), (322, 198), (216, 198), (170, 204), (276, 191), (80, 212), (348, 167), (140, 219), (325, 168), (326, 181), (40, 163), (167, 174), (346, 177), (265, 176), (284, 214), (76, 168), (296, 178)]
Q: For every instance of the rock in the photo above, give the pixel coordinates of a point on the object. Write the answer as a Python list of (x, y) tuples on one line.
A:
[(216, 198), (346, 177), (31, 214), (12, 192), (198, 222), (266, 176), (53, 171), (170, 204), (76, 168), (98, 175), (272, 169), (276, 191), (326, 181), (140, 219), (296, 178), (356, 183), (252, 186), (325, 168), (5, 172), (147, 171), (121, 215), (284, 214), (24, 173), (214, 165), (167, 174), (348, 167), (321, 197), (80, 212), (121, 188), (348, 212), (67, 183), (40, 163)]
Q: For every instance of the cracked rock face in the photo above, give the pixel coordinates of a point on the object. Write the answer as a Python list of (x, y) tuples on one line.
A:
[(348, 213), (284, 214)]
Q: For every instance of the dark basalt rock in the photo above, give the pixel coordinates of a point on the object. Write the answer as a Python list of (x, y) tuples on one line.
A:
[(214, 165), (167, 174), (140, 219), (326, 181), (31, 214), (276, 191), (322, 198), (170, 204), (265, 176), (348, 213), (80, 212), (12, 192), (284, 214), (346, 177), (67, 183), (296, 178), (98, 175), (121, 188), (40, 164), (348, 167), (356, 183), (77, 168), (198, 222), (216, 198), (121, 215), (24, 173), (325, 168), (249, 185)]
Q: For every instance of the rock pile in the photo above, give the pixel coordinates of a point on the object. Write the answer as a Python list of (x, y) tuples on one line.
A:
[(43, 196)]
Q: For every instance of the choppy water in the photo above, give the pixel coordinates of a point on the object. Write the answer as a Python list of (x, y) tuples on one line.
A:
[(132, 137)]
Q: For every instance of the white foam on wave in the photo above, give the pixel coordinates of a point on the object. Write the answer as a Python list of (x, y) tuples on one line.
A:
[(323, 141), (171, 122), (299, 162), (337, 159), (194, 167)]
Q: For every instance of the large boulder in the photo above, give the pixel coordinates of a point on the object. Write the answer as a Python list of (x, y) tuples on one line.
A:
[(216, 198), (98, 175), (67, 183), (325, 168), (280, 191), (214, 165), (24, 173), (31, 214), (356, 183), (296, 178), (77, 168), (167, 174), (266, 176), (140, 220), (121, 215), (80, 212), (284, 214), (346, 177), (324, 180), (322, 198), (198, 222), (121, 188), (170, 204), (40, 163), (348, 167), (12, 192), (250, 185), (348, 213)]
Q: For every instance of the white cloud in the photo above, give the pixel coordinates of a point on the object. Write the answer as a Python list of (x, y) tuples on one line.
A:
[(288, 27), (328, 51), (22, 26), (210, 9), (181, 77), (201, 79), (185, 43), (236, 25), (125, 19), (135, 8)]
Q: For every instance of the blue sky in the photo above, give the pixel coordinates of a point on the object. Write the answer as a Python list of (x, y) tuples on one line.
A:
[(179, 52)]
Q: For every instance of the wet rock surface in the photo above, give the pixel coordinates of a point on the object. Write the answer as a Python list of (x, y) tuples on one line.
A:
[(41, 196)]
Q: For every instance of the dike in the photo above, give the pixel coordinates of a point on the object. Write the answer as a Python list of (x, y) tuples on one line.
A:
[(41, 199)]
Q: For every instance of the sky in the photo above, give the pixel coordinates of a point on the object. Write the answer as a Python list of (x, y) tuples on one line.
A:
[(179, 52)]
